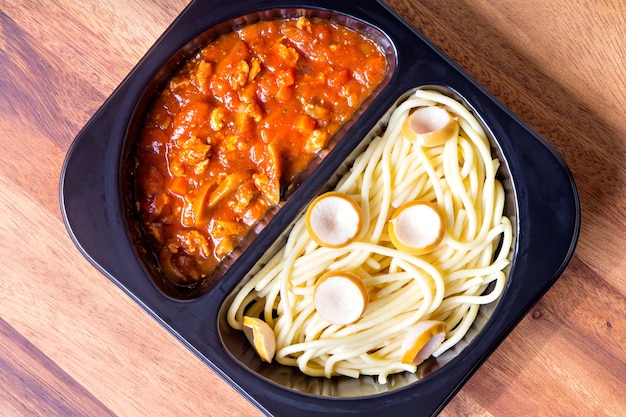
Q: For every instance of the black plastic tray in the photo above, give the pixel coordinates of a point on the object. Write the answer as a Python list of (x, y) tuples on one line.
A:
[(544, 192)]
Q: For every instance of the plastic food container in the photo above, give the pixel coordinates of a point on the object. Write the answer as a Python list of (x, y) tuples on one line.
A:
[(541, 200)]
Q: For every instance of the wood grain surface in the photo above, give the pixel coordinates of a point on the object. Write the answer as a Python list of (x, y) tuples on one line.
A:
[(73, 344)]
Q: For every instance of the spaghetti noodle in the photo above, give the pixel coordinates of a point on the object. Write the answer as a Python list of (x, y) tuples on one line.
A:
[(449, 284)]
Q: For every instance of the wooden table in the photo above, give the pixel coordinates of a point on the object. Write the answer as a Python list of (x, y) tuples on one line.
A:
[(72, 343)]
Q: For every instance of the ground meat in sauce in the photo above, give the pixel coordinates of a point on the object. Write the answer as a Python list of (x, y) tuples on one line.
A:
[(237, 125)]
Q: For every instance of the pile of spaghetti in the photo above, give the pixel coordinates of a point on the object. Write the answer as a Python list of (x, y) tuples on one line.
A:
[(447, 285)]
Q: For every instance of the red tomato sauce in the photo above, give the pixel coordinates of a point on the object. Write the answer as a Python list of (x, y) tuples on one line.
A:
[(236, 125)]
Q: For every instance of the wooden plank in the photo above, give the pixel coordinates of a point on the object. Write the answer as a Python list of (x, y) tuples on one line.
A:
[(39, 387)]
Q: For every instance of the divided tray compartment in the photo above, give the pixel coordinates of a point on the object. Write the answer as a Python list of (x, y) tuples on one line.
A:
[(242, 352), (292, 195), (542, 200)]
